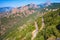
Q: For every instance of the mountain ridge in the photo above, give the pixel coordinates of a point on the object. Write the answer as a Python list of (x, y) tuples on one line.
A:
[(30, 7)]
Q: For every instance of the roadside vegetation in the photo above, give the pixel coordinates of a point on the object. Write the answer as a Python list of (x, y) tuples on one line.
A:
[(17, 28)]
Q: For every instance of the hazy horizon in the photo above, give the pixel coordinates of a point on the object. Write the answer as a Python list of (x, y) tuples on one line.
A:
[(18, 3)]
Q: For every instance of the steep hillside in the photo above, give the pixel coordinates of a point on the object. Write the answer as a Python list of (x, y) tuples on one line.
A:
[(52, 20), (51, 29), (18, 26), (8, 24)]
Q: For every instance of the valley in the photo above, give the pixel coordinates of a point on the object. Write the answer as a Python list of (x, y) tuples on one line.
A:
[(32, 23)]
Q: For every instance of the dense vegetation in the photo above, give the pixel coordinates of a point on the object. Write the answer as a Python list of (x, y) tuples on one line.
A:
[(52, 19), (20, 33), (18, 28), (52, 26), (11, 23)]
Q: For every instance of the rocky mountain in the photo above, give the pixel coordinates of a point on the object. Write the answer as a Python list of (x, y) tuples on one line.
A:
[(44, 5), (21, 24), (30, 8)]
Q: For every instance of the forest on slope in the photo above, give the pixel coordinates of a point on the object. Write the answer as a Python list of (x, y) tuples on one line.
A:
[(52, 26), (17, 28), (50, 32)]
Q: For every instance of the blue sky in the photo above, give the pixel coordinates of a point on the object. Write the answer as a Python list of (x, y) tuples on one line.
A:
[(17, 3)]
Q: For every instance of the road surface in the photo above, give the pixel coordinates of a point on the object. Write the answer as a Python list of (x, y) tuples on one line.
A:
[(34, 33)]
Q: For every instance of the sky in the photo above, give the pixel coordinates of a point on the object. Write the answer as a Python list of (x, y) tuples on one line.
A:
[(18, 3)]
